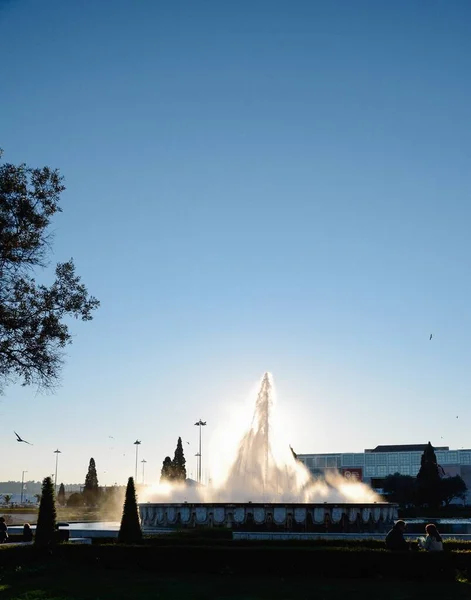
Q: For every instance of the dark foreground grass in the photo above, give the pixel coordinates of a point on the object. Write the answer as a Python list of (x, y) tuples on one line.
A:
[(63, 582)]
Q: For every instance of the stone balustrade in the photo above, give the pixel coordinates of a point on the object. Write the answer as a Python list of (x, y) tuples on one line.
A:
[(375, 517)]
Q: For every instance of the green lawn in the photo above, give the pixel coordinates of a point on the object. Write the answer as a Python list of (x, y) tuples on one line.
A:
[(97, 584)]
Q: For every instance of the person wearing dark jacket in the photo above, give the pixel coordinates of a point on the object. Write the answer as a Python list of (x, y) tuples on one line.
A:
[(395, 539)]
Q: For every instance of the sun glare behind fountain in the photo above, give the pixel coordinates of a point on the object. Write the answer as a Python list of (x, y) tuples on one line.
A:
[(265, 470)]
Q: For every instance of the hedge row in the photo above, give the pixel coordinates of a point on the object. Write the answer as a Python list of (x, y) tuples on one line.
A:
[(169, 540), (165, 541), (316, 561)]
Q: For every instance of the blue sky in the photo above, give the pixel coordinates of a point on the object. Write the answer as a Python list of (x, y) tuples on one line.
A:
[(251, 186)]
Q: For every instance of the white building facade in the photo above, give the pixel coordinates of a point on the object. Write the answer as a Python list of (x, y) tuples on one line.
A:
[(372, 466)]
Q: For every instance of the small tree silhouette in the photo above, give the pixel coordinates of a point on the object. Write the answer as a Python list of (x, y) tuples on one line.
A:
[(90, 489), (130, 530), (46, 527), (167, 472), (179, 461), (428, 479), (61, 495)]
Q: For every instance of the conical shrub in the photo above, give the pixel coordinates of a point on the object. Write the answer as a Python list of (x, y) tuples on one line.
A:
[(130, 530), (46, 527)]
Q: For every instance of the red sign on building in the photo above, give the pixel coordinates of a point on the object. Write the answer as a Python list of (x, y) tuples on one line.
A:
[(353, 473)]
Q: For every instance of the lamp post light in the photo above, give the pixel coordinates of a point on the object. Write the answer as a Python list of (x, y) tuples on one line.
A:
[(56, 452), (137, 443), (199, 424), (143, 461), (22, 484)]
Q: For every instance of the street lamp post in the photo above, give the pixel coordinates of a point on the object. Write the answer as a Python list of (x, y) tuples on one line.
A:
[(199, 424), (137, 443), (22, 484), (143, 461), (56, 452)]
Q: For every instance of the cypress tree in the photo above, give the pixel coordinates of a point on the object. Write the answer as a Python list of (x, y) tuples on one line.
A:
[(61, 495), (179, 462), (46, 527), (90, 489), (167, 474), (130, 530), (428, 479)]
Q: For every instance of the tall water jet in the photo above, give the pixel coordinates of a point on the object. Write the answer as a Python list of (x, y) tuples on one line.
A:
[(254, 460), (266, 485), (264, 468)]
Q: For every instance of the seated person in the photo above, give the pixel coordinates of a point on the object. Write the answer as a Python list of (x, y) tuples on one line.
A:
[(395, 539), (433, 542)]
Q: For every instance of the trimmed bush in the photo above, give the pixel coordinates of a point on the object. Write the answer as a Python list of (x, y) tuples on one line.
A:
[(287, 562), (46, 527), (316, 562), (130, 530)]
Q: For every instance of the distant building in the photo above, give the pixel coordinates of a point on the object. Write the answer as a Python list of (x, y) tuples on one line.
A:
[(373, 465)]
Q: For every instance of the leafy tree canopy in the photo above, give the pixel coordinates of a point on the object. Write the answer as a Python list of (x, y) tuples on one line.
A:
[(453, 488), (166, 474), (75, 500), (33, 328)]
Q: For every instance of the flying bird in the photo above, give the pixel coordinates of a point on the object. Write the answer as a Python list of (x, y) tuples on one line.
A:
[(21, 440), (111, 437), (431, 336)]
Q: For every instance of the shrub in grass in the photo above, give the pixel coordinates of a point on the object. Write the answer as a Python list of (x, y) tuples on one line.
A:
[(130, 530), (46, 527)]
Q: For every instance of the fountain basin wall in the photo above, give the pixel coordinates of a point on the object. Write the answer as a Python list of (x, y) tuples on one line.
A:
[(249, 516)]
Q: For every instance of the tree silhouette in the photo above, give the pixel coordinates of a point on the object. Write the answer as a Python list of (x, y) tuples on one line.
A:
[(428, 479), (90, 489), (61, 495), (34, 318), (75, 499), (179, 462), (130, 529), (167, 474), (453, 487), (46, 526)]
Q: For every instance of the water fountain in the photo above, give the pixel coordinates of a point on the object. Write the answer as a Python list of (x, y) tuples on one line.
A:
[(266, 488)]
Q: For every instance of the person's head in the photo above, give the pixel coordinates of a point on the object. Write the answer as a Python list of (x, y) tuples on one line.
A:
[(432, 531), (401, 525), (2, 519), (26, 526)]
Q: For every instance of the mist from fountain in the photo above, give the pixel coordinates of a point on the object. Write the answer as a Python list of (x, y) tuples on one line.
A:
[(264, 469)]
